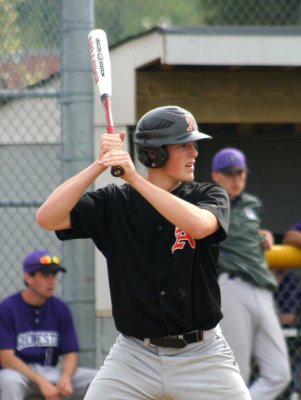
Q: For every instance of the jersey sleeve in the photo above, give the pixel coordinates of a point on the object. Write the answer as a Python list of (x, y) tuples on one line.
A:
[(215, 199), (7, 331), (89, 217)]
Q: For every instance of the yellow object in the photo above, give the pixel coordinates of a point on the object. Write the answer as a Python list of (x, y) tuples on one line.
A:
[(284, 256)]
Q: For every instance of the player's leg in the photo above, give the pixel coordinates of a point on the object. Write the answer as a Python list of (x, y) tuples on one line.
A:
[(15, 386), (82, 379), (204, 371), (237, 298), (130, 371), (270, 352)]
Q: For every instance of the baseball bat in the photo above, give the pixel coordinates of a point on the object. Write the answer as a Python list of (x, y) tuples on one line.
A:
[(283, 256), (101, 68)]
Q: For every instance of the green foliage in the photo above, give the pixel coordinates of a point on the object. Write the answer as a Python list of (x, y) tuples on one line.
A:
[(253, 12), (36, 24), (123, 18), (40, 21), (29, 24), (10, 33), (28, 28)]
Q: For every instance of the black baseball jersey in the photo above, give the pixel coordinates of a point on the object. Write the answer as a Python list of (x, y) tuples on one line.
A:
[(162, 281)]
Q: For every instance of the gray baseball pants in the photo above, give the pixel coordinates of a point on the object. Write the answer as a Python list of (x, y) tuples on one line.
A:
[(252, 329), (201, 371)]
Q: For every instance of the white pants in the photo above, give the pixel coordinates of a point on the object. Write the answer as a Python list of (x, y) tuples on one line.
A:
[(251, 327), (15, 386), (201, 371)]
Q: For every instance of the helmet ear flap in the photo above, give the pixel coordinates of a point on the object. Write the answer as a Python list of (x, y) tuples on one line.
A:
[(152, 157)]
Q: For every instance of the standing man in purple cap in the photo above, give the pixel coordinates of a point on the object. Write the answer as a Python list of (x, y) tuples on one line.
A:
[(36, 329), (250, 323)]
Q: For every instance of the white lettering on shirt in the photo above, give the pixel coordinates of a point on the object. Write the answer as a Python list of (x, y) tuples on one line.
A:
[(37, 339)]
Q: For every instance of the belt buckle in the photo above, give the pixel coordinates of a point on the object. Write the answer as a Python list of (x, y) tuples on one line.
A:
[(200, 335)]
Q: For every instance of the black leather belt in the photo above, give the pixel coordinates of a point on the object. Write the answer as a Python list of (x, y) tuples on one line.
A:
[(178, 341)]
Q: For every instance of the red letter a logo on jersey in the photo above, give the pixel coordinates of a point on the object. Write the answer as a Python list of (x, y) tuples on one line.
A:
[(181, 239)]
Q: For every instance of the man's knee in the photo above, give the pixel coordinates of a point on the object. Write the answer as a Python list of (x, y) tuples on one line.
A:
[(83, 377), (11, 377)]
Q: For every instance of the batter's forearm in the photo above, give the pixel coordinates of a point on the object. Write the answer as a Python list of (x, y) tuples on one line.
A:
[(54, 214), (199, 223)]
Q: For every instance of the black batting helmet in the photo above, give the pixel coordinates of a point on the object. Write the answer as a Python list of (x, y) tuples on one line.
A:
[(162, 126)]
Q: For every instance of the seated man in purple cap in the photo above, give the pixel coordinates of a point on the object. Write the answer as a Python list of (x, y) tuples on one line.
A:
[(36, 328), (250, 323)]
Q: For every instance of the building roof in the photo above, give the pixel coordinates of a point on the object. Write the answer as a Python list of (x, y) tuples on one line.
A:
[(251, 46), (233, 47)]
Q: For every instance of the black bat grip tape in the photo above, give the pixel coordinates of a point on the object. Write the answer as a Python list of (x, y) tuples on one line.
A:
[(117, 171)]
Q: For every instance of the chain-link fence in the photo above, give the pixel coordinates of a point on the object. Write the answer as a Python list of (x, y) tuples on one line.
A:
[(129, 17), (30, 132), (288, 305), (29, 128)]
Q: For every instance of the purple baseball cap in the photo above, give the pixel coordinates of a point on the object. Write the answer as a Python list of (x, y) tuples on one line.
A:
[(228, 160), (43, 261)]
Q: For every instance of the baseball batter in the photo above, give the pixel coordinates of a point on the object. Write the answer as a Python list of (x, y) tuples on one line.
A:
[(160, 236)]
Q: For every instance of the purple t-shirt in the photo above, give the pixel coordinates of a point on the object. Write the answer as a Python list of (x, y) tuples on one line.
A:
[(38, 334), (296, 226)]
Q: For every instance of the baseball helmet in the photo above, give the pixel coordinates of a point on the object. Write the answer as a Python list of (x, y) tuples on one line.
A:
[(162, 126)]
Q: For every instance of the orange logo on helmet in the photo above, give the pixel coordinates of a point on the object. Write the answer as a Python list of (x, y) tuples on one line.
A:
[(191, 123)]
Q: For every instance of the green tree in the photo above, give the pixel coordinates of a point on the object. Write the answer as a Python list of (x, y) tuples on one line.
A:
[(123, 18), (41, 22), (29, 24), (253, 12), (10, 33)]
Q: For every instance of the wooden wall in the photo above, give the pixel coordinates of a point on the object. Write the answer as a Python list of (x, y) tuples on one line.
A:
[(224, 95)]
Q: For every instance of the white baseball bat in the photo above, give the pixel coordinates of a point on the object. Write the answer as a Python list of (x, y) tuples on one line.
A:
[(101, 68)]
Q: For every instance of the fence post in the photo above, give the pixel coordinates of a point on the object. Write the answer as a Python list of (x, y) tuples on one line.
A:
[(76, 153)]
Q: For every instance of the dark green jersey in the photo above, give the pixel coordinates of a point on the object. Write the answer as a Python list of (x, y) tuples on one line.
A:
[(241, 252)]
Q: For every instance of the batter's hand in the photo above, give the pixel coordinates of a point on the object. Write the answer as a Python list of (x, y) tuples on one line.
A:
[(110, 141), (266, 238), (120, 158)]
